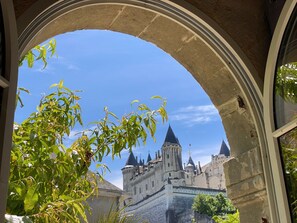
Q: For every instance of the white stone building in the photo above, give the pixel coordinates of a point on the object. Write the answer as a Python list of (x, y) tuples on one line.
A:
[(166, 181)]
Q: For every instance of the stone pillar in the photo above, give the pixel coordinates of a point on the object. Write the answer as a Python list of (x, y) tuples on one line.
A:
[(246, 186), (244, 175)]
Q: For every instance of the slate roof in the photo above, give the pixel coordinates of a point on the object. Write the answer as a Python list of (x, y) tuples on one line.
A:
[(131, 160), (224, 149), (190, 161), (105, 185), (149, 158), (170, 137)]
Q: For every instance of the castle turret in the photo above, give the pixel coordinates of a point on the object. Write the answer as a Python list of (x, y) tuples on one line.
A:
[(128, 171), (190, 167), (191, 171), (171, 157), (149, 158)]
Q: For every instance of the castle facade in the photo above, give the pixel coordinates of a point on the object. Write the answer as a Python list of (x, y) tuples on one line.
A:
[(164, 181)]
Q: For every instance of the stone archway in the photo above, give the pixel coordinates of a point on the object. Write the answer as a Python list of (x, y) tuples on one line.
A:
[(202, 48)]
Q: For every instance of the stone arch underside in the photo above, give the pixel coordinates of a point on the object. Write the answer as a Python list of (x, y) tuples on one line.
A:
[(244, 174)]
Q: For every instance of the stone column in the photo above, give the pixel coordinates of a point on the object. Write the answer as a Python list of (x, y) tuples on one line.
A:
[(244, 175)]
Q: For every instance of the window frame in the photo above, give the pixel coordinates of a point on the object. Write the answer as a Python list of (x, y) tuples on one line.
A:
[(8, 83), (279, 205)]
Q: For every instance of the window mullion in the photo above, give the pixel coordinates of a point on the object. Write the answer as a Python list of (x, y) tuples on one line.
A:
[(284, 129)]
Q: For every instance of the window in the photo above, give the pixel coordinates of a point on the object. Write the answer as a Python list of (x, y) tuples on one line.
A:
[(134, 190), (140, 190), (146, 187), (170, 174), (281, 107), (285, 107), (167, 156), (168, 164), (153, 183)]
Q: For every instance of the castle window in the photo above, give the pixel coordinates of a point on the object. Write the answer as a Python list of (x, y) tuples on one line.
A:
[(153, 183), (167, 156), (170, 174), (140, 190), (134, 190), (146, 187), (187, 176), (168, 164)]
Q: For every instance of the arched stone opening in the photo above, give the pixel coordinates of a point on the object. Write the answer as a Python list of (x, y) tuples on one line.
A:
[(204, 52)]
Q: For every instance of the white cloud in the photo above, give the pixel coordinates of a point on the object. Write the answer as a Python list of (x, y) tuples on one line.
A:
[(72, 67), (193, 115)]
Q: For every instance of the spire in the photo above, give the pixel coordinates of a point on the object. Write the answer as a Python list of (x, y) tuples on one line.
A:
[(191, 162), (170, 137), (224, 149), (131, 160), (149, 158)]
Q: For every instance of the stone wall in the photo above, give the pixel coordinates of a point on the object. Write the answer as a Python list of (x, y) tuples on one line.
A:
[(170, 205), (152, 209), (202, 218)]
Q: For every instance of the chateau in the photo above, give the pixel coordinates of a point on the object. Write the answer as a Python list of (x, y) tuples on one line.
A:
[(166, 187), (233, 49)]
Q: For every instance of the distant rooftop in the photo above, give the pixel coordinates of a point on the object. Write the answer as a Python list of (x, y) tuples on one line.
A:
[(191, 162), (131, 160), (224, 149)]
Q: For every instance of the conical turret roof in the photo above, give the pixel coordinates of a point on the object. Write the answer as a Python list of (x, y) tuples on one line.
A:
[(224, 149), (170, 137), (149, 158), (190, 161), (131, 160)]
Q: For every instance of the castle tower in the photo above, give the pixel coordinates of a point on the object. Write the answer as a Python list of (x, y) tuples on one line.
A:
[(128, 171), (171, 157)]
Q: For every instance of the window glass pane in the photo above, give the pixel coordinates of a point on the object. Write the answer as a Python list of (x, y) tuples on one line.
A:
[(288, 149), (285, 83)]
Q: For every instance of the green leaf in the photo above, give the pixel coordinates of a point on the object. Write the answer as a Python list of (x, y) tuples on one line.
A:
[(31, 199), (156, 97), (134, 101), (81, 211)]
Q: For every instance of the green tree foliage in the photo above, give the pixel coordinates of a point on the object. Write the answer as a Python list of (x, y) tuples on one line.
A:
[(39, 52), (49, 181), (288, 144), (213, 205), (228, 218)]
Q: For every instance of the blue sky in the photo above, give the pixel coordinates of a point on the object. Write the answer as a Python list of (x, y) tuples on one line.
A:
[(113, 69)]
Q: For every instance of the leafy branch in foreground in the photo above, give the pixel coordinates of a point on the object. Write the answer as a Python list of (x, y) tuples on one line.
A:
[(49, 181), (39, 52)]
